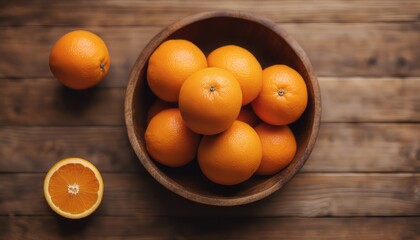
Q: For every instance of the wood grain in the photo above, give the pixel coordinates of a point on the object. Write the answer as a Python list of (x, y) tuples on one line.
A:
[(47, 102), (37, 149), (111, 13), (380, 148), (366, 148), (44, 102), (366, 52), (139, 227), (351, 49), (326, 195), (353, 99)]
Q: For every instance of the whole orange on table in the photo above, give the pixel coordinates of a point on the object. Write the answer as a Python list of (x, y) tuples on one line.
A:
[(242, 111), (79, 59)]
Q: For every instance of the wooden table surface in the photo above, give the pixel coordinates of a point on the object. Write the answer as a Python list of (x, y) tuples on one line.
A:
[(362, 180)]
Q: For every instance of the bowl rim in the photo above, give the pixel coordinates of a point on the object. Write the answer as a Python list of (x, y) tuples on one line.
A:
[(160, 176)]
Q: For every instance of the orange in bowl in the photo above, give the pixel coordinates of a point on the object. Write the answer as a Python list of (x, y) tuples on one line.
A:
[(169, 141), (278, 148), (232, 156), (283, 98), (243, 65), (170, 65), (247, 115), (210, 100)]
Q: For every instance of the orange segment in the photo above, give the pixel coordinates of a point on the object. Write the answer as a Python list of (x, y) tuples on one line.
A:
[(73, 188)]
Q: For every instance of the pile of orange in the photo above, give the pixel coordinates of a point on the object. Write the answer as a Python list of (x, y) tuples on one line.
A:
[(223, 110)]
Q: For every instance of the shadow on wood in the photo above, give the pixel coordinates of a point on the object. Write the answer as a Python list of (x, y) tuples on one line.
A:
[(71, 227), (77, 100)]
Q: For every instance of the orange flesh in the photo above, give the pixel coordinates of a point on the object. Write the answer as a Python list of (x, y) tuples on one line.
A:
[(63, 188)]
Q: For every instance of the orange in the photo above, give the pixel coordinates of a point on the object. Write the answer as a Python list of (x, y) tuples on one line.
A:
[(232, 156), (73, 188), (278, 148), (248, 116), (157, 106), (283, 97), (210, 100), (243, 65), (79, 59), (170, 64), (169, 141)]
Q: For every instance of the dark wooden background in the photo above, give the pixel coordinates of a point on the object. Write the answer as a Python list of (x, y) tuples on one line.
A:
[(362, 180)]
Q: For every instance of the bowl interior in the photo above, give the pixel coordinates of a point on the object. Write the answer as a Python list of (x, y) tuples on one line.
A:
[(270, 46)]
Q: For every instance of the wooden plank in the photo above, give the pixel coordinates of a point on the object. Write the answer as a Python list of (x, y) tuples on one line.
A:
[(306, 195), (366, 148), (339, 148), (36, 149), (44, 102), (382, 100), (356, 49), (140, 227), (111, 13)]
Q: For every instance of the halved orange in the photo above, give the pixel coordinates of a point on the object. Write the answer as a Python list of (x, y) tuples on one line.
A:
[(73, 188)]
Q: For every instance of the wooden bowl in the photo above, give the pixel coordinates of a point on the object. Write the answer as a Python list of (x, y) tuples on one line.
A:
[(209, 30)]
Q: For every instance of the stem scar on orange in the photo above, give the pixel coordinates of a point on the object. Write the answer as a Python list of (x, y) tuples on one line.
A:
[(283, 97), (210, 100), (73, 188), (79, 59)]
